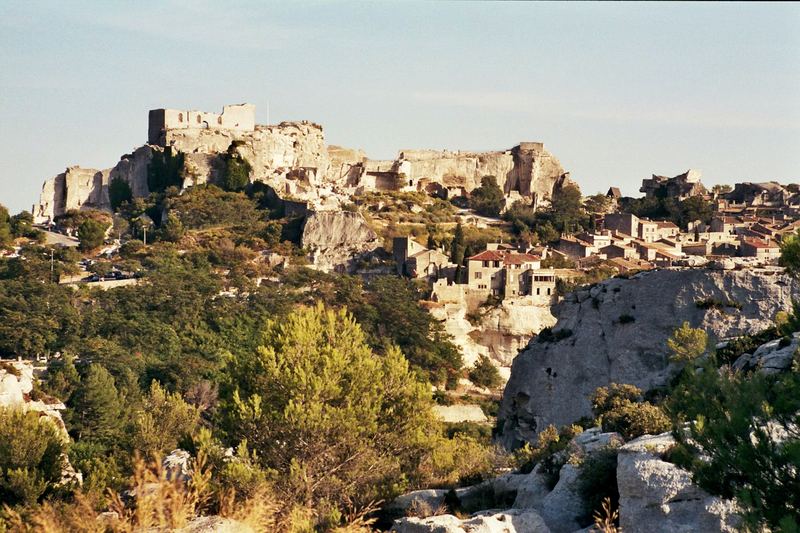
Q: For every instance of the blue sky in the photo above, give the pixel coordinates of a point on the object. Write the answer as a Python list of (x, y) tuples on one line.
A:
[(616, 91)]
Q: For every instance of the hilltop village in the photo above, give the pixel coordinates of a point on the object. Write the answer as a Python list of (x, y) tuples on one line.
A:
[(506, 233), (328, 331)]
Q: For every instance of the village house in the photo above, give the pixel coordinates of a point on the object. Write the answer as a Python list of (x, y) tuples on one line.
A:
[(510, 274), (418, 262), (764, 249)]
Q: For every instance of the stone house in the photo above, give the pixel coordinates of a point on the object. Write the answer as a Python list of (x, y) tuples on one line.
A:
[(765, 249), (416, 261), (509, 274)]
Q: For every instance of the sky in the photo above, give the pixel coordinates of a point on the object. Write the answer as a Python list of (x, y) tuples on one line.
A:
[(616, 91)]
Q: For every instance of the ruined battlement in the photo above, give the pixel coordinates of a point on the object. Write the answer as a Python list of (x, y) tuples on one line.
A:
[(238, 117)]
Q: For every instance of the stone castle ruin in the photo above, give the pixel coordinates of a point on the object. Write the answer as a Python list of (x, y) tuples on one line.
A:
[(239, 117), (294, 159)]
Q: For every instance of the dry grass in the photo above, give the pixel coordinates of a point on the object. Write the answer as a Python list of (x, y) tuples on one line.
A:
[(606, 520), (156, 503)]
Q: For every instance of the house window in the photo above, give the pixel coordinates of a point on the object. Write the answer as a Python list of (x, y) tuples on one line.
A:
[(497, 264), (198, 119), (486, 264), (478, 275), (537, 291), (548, 291), (219, 120), (180, 117)]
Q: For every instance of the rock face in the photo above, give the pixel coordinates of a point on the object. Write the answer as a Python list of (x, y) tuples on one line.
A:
[(527, 169), (293, 158), (616, 332), (337, 240), (655, 495), (75, 188), (502, 332)]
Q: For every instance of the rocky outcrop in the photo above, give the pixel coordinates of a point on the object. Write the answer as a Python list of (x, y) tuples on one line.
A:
[(292, 157), (511, 521), (75, 188), (616, 332), (655, 495), (528, 169), (338, 240), (501, 333), (771, 357)]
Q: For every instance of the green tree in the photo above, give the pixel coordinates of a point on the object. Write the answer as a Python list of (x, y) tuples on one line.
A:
[(620, 408), (488, 199), (566, 209), (790, 253), (485, 374), (6, 235), (686, 344), (31, 456), (739, 438), (337, 421), (173, 229), (91, 233), (237, 172), (458, 246), (162, 421), (118, 192), (598, 203), (96, 408)]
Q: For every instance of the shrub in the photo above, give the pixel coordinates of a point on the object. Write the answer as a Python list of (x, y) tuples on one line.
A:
[(687, 344), (548, 335), (165, 170), (488, 199), (485, 374), (31, 456), (620, 409)]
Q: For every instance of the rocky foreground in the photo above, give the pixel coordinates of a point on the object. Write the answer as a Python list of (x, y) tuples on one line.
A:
[(654, 495)]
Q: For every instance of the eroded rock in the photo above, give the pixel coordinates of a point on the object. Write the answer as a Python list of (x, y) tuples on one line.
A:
[(659, 496), (551, 382)]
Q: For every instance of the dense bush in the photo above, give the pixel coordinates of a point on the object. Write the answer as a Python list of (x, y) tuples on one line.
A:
[(30, 456), (484, 373), (620, 408), (488, 199)]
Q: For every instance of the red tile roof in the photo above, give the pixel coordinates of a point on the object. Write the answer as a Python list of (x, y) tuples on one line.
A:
[(488, 255)]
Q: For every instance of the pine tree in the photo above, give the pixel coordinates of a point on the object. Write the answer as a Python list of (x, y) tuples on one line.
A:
[(338, 421), (97, 410)]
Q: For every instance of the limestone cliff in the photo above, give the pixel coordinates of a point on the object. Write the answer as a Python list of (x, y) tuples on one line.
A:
[(293, 158), (527, 169), (500, 334), (616, 331), (338, 240)]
